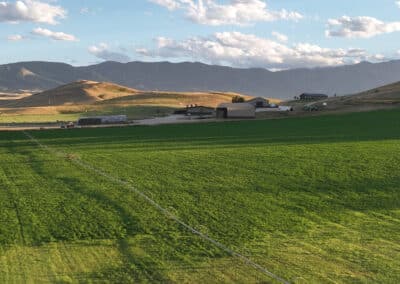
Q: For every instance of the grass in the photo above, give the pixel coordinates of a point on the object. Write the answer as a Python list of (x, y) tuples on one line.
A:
[(37, 118), (74, 113), (315, 200)]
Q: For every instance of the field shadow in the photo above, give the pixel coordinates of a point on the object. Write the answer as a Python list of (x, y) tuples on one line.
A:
[(134, 268)]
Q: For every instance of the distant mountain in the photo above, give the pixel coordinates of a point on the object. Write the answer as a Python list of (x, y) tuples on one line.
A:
[(186, 76)]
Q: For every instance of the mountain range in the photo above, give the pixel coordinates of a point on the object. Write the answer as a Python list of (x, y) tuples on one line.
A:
[(185, 77)]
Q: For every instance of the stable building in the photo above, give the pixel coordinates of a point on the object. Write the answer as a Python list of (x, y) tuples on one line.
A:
[(312, 97), (236, 110), (259, 102), (99, 120), (200, 111)]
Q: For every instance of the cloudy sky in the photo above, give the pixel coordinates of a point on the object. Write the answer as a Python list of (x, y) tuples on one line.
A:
[(273, 34)]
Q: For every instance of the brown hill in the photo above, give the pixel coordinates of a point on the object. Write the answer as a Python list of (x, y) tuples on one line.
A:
[(175, 99), (95, 93), (379, 98), (387, 94), (81, 92)]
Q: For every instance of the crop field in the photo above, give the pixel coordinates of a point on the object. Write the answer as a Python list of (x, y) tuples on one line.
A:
[(52, 115), (311, 200)]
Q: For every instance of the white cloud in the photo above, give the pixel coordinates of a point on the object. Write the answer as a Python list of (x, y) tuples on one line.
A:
[(169, 4), (235, 12), (104, 52), (54, 35), (359, 27), (247, 50), (84, 10), (280, 37), (15, 38), (30, 11), (398, 3)]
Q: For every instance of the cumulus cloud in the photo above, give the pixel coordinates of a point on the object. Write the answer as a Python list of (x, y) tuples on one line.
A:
[(235, 12), (169, 4), (104, 52), (247, 50), (15, 38), (360, 27), (54, 35), (280, 37), (30, 11)]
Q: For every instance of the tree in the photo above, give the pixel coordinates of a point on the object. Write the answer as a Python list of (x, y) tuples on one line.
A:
[(237, 99)]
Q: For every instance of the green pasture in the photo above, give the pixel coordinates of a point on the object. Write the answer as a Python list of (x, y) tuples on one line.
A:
[(313, 200), (133, 112)]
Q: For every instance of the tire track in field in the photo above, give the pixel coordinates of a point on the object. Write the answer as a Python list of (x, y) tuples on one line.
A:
[(21, 227), (166, 212)]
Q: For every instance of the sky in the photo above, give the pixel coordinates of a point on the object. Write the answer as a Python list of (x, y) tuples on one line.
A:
[(272, 34)]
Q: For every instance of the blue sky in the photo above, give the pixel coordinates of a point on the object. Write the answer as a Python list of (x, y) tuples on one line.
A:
[(273, 34)]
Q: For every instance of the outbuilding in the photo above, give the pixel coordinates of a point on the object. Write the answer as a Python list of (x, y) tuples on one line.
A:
[(236, 110), (200, 111), (98, 120), (259, 102)]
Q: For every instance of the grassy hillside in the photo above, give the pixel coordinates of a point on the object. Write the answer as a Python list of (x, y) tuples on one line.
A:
[(384, 97), (84, 98), (314, 200), (90, 92), (81, 92), (177, 99)]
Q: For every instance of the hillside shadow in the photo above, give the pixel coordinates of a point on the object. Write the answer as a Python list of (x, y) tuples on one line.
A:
[(133, 269), (74, 186)]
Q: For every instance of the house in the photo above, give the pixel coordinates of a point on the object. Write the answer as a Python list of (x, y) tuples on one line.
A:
[(236, 110), (98, 120), (259, 102), (312, 97)]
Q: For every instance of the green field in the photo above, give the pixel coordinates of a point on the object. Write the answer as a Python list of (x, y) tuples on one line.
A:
[(132, 112), (313, 200)]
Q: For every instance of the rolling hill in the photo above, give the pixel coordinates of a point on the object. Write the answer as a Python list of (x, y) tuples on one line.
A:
[(103, 93), (198, 77), (81, 92), (387, 96)]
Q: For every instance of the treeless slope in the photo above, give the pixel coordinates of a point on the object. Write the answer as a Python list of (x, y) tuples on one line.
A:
[(211, 99), (386, 94), (91, 93), (380, 98), (81, 92)]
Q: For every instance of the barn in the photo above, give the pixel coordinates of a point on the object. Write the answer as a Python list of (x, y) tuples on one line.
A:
[(259, 102), (236, 110), (312, 97), (98, 120), (200, 111)]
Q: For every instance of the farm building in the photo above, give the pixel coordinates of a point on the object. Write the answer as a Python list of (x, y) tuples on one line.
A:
[(259, 102), (98, 120), (236, 110), (200, 111), (312, 97)]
